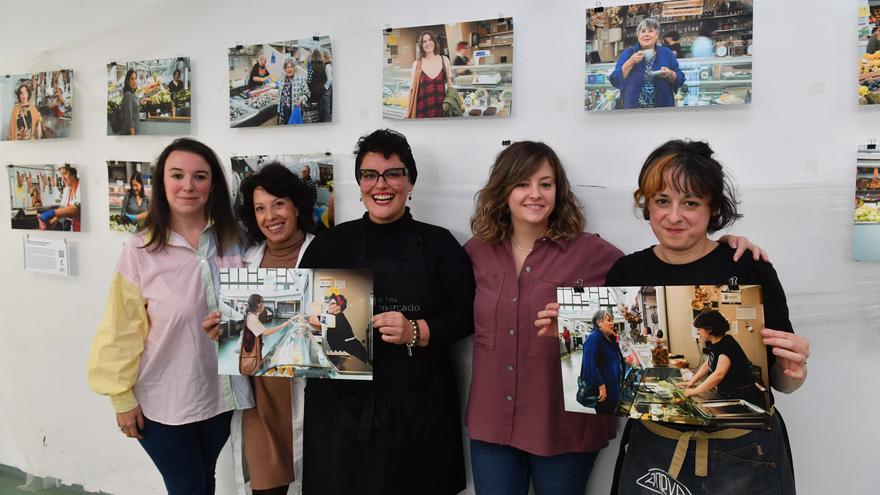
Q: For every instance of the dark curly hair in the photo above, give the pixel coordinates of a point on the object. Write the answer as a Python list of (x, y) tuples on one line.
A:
[(688, 168), (278, 181), (387, 142), (713, 322), (340, 301)]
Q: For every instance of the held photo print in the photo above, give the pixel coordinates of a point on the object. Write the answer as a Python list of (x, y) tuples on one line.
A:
[(866, 228), (463, 69), (45, 197), (315, 169), (281, 83), (36, 106), (674, 53), (129, 190), (296, 322), (150, 97), (869, 50), (691, 355)]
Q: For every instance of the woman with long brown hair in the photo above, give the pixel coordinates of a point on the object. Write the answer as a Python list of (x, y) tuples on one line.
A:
[(431, 77)]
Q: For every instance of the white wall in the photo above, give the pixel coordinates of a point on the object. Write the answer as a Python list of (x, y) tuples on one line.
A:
[(792, 152)]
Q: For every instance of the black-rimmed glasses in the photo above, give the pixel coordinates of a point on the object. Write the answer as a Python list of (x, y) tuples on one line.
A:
[(391, 175)]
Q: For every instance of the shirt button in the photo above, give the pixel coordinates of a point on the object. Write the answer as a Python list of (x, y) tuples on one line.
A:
[(509, 367), (509, 397), (514, 299), (513, 332), (528, 268)]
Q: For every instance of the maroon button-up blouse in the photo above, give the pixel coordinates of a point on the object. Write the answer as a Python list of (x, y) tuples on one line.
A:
[(516, 388)]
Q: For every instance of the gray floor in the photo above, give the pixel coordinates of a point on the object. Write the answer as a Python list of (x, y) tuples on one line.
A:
[(11, 479)]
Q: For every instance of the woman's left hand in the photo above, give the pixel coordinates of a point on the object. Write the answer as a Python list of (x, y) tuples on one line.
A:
[(688, 392), (394, 327), (791, 351), (668, 74)]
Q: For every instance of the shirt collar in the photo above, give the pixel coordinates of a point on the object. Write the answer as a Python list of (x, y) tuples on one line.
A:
[(175, 239), (561, 243)]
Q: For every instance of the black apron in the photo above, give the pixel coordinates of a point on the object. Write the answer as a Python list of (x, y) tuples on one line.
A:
[(400, 433)]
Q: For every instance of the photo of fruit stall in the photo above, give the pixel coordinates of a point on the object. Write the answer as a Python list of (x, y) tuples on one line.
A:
[(866, 228), (149, 97), (281, 83), (656, 352), (869, 49)]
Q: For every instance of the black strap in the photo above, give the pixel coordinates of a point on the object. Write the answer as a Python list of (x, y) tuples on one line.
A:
[(624, 440)]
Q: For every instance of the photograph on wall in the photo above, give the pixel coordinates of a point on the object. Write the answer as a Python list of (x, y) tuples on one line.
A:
[(691, 355), (149, 97), (45, 197), (296, 322), (129, 189), (36, 106), (315, 169), (866, 230), (281, 83), (674, 53), (463, 69), (869, 52)]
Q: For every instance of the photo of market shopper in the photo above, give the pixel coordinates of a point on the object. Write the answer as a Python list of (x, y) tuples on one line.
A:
[(668, 54), (129, 190), (647, 74), (602, 364), (280, 83), (36, 106), (421, 81), (150, 97)]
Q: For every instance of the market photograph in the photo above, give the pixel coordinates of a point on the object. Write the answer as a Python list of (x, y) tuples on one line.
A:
[(36, 106), (296, 322), (675, 53), (678, 354), (866, 228), (45, 197), (129, 189), (149, 97), (869, 50), (315, 170), (463, 69), (281, 83)]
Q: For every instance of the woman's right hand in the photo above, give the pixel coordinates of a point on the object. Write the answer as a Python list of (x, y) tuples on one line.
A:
[(211, 325), (546, 321), (636, 57), (602, 393), (131, 422)]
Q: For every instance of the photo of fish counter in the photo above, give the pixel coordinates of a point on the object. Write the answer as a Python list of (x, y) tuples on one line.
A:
[(653, 353)]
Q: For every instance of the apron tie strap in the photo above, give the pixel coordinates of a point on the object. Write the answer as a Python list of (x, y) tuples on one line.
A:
[(701, 456)]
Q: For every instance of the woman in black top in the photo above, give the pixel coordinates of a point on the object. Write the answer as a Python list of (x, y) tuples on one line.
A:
[(685, 195), (341, 336), (400, 432)]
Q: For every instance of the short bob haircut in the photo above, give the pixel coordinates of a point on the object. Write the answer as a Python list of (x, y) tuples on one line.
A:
[(387, 142), (491, 221), (278, 181), (713, 322), (218, 208), (650, 23), (340, 301), (688, 168), (600, 315), (422, 52)]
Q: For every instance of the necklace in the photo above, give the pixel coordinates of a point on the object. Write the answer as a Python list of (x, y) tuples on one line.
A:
[(517, 246)]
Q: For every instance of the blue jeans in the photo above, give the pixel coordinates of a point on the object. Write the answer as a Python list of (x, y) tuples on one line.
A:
[(187, 454), (503, 470)]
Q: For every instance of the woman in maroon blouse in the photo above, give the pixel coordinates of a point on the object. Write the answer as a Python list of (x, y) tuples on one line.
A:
[(528, 240)]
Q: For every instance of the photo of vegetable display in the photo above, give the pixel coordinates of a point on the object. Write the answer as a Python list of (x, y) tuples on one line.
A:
[(149, 97), (869, 48), (866, 217), (655, 353)]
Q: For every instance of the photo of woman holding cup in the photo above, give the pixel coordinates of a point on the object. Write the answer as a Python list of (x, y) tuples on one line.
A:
[(647, 73)]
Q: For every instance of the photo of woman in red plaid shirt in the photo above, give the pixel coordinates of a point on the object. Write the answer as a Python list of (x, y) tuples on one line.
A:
[(431, 75)]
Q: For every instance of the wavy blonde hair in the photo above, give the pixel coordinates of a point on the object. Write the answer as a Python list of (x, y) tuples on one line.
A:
[(491, 220)]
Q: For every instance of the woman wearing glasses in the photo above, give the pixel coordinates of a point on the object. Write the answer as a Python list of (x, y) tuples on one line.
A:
[(647, 73), (400, 432)]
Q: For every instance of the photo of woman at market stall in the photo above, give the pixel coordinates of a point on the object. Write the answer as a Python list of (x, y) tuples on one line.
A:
[(673, 53), (602, 364), (129, 189), (869, 46), (45, 197), (149, 97), (420, 82), (38, 105), (685, 194), (280, 83)]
